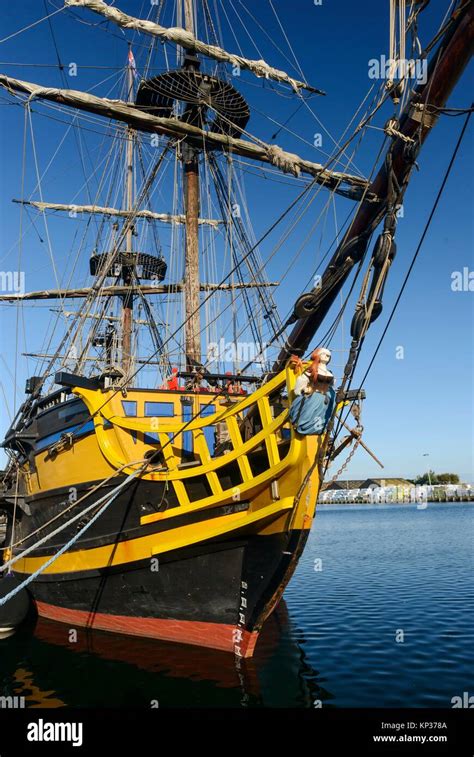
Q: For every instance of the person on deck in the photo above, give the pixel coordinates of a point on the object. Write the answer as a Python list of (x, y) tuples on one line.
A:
[(172, 382)]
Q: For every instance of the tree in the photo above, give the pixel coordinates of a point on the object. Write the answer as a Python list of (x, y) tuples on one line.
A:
[(425, 478), (437, 478), (448, 478)]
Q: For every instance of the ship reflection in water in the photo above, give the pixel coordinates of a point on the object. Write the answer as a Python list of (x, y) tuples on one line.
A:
[(100, 669)]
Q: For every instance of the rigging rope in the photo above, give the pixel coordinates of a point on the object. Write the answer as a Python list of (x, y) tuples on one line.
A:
[(109, 497), (30, 26), (407, 276), (420, 243), (353, 135)]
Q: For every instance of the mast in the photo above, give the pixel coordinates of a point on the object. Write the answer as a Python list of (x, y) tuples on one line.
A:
[(414, 125), (192, 327), (127, 271)]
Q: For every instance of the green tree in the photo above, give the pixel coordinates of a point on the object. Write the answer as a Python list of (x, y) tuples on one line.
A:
[(448, 478), (437, 478), (425, 478)]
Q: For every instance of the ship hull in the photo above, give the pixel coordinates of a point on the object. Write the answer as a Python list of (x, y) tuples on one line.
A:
[(216, 595), (195, 548)]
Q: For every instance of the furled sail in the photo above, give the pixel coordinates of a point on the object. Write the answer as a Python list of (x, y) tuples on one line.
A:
[(187, 40), (116, 290), (121, 213), (172, 127)]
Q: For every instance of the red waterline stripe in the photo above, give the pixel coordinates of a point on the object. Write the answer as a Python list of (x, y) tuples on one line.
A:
[(198, 633)]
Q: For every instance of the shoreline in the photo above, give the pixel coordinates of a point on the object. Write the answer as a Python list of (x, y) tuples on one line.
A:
[(424, 503)]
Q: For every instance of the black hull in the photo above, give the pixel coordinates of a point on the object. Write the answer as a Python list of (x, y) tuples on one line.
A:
[(216, 593)]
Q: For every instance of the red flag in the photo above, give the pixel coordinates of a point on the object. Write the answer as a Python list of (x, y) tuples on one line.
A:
[(131, 62)]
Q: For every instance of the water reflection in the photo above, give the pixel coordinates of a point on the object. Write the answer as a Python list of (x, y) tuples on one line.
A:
[(53, 665)]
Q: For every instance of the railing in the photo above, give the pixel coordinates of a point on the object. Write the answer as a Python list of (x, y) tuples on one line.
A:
[(210, 471)]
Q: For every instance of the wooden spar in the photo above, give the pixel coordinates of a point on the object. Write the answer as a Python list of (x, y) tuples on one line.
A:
[(46, 356), (192, 323), (444, 71), (127, 276), (342, 183), (187, 39), (149, 215), (96, 316), (114, 290)]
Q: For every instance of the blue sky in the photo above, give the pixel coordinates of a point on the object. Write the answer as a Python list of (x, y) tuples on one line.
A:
[(420, 404)]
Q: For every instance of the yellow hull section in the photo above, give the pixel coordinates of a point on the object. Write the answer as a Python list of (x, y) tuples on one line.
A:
[(118, 446)]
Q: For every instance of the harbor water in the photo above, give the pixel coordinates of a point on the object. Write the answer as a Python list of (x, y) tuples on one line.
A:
[(378, 613)]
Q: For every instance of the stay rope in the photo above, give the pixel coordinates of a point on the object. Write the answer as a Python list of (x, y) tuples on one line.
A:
[(350, 366), (107, 499)]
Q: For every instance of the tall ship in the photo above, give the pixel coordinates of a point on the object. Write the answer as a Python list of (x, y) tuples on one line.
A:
[(164, 465)]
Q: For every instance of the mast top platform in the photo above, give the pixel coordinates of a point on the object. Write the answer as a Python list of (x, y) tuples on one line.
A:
[(150, 266), (200, 93)]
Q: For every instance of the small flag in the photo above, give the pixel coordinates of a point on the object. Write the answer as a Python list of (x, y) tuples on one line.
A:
[(131, 62)]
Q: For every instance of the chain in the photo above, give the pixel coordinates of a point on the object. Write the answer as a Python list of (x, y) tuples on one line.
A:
[(329, 445), (349, 458), (320, 454)]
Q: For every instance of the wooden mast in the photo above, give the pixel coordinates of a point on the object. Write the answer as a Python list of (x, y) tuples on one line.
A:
[(192, 327), (453, 54), (127, 272)]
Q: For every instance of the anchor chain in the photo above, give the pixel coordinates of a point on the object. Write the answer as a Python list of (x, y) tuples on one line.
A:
[(359, 430)]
